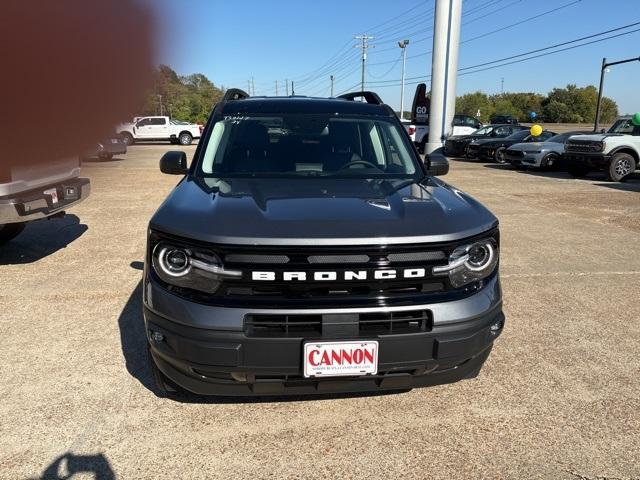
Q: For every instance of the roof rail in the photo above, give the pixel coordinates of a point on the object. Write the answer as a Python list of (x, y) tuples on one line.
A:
[(370, 97), (234, 94)]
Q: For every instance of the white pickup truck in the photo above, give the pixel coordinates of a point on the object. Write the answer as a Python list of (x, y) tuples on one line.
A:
[(32, 192), (159, 128), (462, 125)]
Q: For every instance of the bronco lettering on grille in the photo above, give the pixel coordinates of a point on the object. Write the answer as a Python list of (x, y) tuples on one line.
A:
[(347, 275)]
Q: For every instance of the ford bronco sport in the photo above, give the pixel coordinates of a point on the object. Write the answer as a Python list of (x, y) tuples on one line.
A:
[(617, 152), (308, 250)]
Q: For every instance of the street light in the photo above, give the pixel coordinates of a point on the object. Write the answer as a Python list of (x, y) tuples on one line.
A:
[(403, 45), (605, 69)]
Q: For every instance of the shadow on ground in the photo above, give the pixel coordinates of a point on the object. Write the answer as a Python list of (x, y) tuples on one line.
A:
[(134, 349), (41, 239), (69, 466)]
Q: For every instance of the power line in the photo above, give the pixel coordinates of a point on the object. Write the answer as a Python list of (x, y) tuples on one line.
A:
[(499, 62)]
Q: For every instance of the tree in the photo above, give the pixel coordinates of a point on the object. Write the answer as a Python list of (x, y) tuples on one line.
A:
[(470, 103), (189, 98)]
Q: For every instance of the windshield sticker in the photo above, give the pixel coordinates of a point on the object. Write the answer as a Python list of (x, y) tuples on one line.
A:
[(235, 120)]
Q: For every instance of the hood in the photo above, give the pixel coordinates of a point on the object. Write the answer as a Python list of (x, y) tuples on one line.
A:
[(489, 141), (320, 212), (597, 137), (538, 146)]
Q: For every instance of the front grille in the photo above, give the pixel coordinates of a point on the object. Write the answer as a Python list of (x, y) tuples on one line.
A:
[(368, 324), (514, 153), (583, 146), (283, 325)]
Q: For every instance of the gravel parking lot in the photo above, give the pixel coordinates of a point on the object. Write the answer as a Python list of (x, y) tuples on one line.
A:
[(558, 398)]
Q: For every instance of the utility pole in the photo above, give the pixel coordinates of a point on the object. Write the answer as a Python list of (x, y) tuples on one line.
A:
[(403, 45), (502, 86), (293, 90), (331, 77), (160, 102), (286, 84), (364, 46), (249, 87), (253, 87), (603, 70), (276, 88)]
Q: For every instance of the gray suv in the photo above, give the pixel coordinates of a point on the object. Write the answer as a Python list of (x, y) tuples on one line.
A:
[(308, 250)]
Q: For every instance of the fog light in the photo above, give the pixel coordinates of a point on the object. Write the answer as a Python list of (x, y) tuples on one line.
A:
[(496, 327), (157, 336)]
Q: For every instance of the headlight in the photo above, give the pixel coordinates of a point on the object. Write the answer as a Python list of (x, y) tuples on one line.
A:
[(469, 263), (187, 267)]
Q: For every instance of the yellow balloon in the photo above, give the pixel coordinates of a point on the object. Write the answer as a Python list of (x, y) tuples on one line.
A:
[(536, 130)]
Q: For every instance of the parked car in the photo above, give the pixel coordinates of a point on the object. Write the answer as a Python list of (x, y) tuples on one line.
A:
[(616, 152), (312, 252), (107, 148), (159, 128), (461, 125), (32, 192), (500, 119), (540, 155), (493, 149), (456, 146)]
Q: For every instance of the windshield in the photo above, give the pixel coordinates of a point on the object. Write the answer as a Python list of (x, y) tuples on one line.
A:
[(302, 145), (520, 135), (561, 138), (622, 125), (483, 131)]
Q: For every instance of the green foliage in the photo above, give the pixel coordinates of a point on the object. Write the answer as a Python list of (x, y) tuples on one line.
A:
[(190, 98), (571, 104)]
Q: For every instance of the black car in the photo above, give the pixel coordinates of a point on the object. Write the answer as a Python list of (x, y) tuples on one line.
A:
[(107, 148), (456, 145), (500, 119), (493, 148), (308, 250)]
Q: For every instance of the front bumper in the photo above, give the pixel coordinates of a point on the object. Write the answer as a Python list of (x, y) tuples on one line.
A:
[(593, 161), (528, 160), (35, 204), (205, 349)]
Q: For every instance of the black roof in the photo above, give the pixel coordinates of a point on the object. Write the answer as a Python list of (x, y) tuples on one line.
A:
[(308, 105)]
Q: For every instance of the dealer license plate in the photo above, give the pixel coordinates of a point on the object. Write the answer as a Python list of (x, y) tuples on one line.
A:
[(54, 194), (334, 359)]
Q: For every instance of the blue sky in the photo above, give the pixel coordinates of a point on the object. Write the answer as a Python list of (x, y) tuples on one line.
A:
[(231, 41)]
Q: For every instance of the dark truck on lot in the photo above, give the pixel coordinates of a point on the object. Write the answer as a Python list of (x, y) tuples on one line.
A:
[(307, 250)]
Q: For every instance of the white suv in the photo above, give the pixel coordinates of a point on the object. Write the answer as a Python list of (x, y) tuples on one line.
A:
[(617, 152)]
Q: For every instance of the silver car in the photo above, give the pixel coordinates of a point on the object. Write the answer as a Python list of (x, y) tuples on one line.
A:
[(539, 154)]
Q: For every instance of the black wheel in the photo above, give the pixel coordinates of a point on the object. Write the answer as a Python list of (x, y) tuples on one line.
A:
[(549, 161), (9, 231), (105, 156), (128, 138), (165, 386), (499, 155), (185, 138), (577, 170), (621, 166)]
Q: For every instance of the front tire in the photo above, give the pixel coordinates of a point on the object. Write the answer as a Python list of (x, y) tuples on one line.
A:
[(185, 138), (9, 231), (620, 167), (499, 156), (105, 156), (128, 138), (549, 161)]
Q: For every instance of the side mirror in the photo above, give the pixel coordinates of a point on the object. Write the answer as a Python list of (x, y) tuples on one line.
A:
[(437, 165), (174, 163)]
